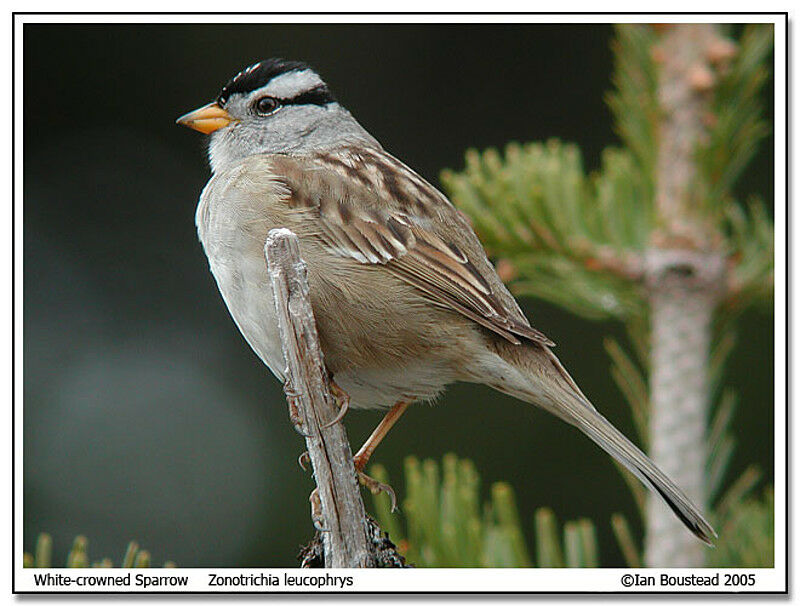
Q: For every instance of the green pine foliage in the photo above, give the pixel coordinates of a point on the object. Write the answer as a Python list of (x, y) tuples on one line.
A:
[(444, 523), (579, 240), (569, 237), (750, 240), (633, 102), (575, 239), (737, 124), (78, 556), (747, 533)]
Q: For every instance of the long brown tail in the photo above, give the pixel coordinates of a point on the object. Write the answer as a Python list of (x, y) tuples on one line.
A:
[(547, 384)]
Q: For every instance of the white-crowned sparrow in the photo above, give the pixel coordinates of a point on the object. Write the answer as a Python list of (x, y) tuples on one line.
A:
[(404, 296)]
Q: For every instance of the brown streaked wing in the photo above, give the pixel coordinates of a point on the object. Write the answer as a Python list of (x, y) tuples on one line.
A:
[(355, 223)]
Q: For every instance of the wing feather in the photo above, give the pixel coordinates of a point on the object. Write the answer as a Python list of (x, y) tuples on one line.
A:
[(392, 233)]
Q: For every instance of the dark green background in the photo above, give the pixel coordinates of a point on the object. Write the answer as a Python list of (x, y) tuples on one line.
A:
[(146, 414)]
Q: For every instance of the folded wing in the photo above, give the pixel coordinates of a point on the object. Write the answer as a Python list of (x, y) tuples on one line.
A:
[(354, 222)]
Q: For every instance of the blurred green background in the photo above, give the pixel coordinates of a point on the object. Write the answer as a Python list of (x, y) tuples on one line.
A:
[(146, 414)]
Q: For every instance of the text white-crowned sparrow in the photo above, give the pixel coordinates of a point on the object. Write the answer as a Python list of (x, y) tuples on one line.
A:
[(404, 296)]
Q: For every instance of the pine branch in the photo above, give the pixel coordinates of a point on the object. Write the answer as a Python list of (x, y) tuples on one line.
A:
[(736, 125), (633, 101), (751, 256), (562, 236)]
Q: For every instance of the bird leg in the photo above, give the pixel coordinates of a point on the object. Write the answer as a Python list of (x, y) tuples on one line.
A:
[(365, 452)]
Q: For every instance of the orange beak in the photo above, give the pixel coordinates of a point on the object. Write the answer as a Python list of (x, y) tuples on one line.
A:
[(207, 119)]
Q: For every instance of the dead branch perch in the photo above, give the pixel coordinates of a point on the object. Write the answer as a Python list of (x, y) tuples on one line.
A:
[(311, 407)]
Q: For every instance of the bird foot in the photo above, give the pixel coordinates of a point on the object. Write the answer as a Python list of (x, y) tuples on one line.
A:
[(376, 487), (316, 510), (303, 460), (343, 399), (294, 415)]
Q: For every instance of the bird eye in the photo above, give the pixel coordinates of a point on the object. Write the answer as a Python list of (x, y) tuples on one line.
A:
[(266, 105)]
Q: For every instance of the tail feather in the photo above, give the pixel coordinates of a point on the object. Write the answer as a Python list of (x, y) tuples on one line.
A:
[(546, 383), (610, 439)]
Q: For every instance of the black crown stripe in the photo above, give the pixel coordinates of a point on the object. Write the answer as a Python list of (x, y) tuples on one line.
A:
[(261, 73)]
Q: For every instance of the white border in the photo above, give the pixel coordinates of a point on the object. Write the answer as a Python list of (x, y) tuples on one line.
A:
[(402, 17), (433, 580), (427, 580), (782, 395)]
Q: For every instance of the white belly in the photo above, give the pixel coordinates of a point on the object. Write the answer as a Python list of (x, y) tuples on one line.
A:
[(247, 293)]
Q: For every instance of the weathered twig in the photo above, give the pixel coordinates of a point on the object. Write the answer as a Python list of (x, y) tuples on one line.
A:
[(312, 407)]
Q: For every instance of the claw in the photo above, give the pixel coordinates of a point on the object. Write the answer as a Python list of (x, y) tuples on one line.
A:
[(316, 510), (344, 403), (290, 391), (297, 421), (318, 525), (303, 460), (376, 487)]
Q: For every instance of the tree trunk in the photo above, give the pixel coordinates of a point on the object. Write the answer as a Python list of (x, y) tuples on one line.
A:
[(684, 272), (680, 332)]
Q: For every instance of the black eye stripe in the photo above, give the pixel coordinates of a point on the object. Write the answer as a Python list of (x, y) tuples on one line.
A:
[(319, 95)]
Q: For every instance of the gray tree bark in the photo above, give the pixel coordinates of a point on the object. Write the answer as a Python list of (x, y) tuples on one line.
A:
[(336, 504), (681, 313), (684, 274)]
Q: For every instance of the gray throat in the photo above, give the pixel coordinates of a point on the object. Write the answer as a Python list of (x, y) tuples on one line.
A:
[(300, 130)]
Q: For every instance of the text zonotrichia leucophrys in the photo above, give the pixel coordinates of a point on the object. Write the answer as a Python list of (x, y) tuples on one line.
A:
[(404, 296)]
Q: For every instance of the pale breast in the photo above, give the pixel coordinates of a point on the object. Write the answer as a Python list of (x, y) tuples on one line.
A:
[(381, 339), (233, 239)]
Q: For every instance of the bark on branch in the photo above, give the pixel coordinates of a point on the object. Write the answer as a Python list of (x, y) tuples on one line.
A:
[(684, 274), (339, 509)]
